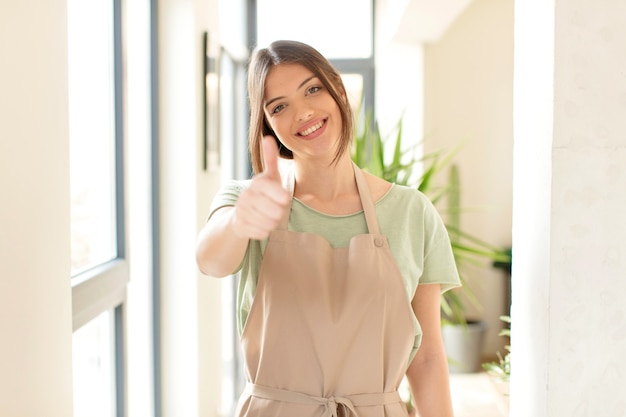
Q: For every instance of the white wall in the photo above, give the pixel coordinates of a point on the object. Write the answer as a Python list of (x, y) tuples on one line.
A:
[(469, 100), (191, 356), (35, 304), (569, 326)]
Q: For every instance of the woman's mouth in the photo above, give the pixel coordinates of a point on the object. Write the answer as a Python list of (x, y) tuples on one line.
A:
[(312, 129)]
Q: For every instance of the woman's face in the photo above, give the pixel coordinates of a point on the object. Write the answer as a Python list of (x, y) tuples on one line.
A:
[(301, 111)]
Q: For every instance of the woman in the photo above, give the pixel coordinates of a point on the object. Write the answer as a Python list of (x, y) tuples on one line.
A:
[(330, 312)]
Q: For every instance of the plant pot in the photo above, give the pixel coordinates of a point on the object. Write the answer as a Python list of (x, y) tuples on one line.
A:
[(464, 344)]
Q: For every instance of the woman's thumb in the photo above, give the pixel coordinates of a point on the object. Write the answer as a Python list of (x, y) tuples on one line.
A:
[(270, 157)]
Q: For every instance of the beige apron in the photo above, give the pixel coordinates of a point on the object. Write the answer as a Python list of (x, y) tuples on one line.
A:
[(330, 330)]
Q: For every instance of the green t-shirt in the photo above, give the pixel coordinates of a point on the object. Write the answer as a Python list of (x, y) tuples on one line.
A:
[(417, 238)]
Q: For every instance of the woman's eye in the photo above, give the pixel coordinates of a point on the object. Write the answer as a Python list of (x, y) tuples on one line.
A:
[(278, 108), (314, 89)]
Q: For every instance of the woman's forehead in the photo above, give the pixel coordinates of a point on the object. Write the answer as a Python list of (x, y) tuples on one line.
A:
[(287, 76)]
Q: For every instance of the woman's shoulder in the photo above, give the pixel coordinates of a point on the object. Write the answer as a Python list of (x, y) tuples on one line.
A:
[(378, 187), (384, 191), (408, 196)]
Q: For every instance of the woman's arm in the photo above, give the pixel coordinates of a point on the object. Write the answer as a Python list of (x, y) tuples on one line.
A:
[(428, 372), (219, 250)]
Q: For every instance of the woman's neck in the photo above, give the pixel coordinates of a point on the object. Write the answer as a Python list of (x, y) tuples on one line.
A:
[(328, 188)]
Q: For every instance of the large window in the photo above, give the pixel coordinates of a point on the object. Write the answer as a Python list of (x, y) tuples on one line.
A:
[(99, 268), (92, 133)]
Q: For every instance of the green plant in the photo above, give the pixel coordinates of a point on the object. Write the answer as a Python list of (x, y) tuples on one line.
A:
[(369, 153), (502, 368)]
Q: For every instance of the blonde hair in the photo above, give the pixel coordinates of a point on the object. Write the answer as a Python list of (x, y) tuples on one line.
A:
[(292, 52)]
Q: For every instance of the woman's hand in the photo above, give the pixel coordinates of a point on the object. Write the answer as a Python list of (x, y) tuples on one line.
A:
[(265, 202), (223, 241)]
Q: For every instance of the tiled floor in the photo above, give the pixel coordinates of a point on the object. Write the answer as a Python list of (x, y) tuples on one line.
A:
[(478, 395)]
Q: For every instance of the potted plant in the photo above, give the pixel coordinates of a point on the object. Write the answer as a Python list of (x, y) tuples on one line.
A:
[(369, 153), (500, 370)]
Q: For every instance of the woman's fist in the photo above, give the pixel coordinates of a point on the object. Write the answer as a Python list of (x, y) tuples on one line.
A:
[(263, 204)]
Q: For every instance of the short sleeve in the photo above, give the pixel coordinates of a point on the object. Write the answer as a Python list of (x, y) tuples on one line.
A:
[(228, 195), (439, 263)]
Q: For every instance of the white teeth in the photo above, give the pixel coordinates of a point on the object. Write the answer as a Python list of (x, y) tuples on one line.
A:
[(311, 129)]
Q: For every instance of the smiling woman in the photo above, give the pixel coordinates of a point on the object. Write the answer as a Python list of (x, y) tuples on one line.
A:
[(321, 251), (297, 110), (317, 83), (355, 65)]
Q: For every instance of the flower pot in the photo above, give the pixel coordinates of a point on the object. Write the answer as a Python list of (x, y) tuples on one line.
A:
[(464, 346)]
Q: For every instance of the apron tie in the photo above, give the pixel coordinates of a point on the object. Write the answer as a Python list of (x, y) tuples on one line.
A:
[(331, 404)]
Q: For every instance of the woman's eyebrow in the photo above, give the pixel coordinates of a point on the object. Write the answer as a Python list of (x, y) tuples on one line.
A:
[(305, 81), (302, 84)]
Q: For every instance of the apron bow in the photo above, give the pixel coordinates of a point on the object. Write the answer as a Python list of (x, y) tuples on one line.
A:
[(333, 403)]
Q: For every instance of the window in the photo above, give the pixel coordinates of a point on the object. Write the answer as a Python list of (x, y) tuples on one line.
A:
[(338, 29), (92, 133), (99, 268), (94, 367)]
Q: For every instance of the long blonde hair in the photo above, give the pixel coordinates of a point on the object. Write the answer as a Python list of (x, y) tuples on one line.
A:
[(292, 52)]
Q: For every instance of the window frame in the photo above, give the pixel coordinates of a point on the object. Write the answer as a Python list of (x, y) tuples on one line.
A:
[(365, 68), (102, 288)]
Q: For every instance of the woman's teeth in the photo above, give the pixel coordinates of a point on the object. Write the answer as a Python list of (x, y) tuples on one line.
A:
[(311, 129)]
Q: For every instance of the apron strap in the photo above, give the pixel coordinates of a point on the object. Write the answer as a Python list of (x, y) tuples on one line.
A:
[(364, 193), (289, 183), (366, 201), (331, 404)]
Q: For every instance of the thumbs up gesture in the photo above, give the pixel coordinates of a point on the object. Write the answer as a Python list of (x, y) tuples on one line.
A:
[(263, 204)]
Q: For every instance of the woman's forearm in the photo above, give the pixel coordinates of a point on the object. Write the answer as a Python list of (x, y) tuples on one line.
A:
[(219, 250), (430, 385), (428, 372)]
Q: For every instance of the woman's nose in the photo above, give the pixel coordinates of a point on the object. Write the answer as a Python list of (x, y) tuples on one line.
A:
[(304, 113)]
